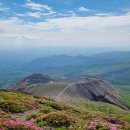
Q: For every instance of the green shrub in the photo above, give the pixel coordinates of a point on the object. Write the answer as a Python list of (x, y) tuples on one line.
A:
[(59, 119), (62, 128), (53, 105), (10, 106), (19, 127), (42, 123), (46, 109)]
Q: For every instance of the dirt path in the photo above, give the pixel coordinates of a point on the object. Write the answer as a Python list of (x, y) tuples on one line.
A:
[(23, 116), (59, 95)]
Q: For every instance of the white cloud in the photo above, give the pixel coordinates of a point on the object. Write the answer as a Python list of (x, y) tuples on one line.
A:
[(34, 14), (38, 10), (91, 31), (2, 8), (71, 13), (103, 14), (38, 7), (34, 6), (83, 9)]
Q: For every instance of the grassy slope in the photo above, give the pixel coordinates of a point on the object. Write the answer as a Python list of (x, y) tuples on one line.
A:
[(61, 116), (103, 108), (125, 90), (117, 74)]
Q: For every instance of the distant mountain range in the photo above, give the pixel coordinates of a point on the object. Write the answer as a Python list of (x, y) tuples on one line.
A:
[(88, 88), (113, 66)]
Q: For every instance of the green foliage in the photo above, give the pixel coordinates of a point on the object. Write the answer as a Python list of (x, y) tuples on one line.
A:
[(16, 102), (51, 114), (58, 119), (125, 91), (52, 104), (18, 127), (46, 109), (62, 128), (10, 106), (1, 98), (42, 123), (97, 108)]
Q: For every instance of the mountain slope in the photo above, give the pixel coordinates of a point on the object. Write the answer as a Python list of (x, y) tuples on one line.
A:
[(89, 88), (35, 113)]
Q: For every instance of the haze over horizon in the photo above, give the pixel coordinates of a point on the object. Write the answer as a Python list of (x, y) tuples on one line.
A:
[(47, 23)]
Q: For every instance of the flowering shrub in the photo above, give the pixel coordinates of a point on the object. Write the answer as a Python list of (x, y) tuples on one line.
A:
[(92, 126), (97, 126), (113, 128), (18, 125), (14, 107), (59, 119)]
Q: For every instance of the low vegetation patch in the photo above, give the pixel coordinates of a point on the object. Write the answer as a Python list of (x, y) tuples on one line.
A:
[(14, 107), (18, 125), (53, 105), (59, 119), (49, 114)]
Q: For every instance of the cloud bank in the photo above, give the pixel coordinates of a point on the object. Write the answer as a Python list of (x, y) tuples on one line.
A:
[(98, 30)]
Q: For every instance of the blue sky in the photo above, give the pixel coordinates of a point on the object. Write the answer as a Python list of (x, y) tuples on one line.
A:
[(87, 23), (62, 8)]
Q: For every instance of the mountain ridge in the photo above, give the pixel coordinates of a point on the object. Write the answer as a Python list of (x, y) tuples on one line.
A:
[(108, 65), (88, 88), (112, 66)]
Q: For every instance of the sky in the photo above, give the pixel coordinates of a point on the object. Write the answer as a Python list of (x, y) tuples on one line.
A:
[(65, 23)]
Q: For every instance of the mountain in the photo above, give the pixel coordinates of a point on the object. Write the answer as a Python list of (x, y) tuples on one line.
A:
[(20, 111), (88, 88), (102, 59), (112, 66), (34, 79)]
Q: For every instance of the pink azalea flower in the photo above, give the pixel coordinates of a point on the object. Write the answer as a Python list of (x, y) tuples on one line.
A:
[(28, 125), (113, 128)]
